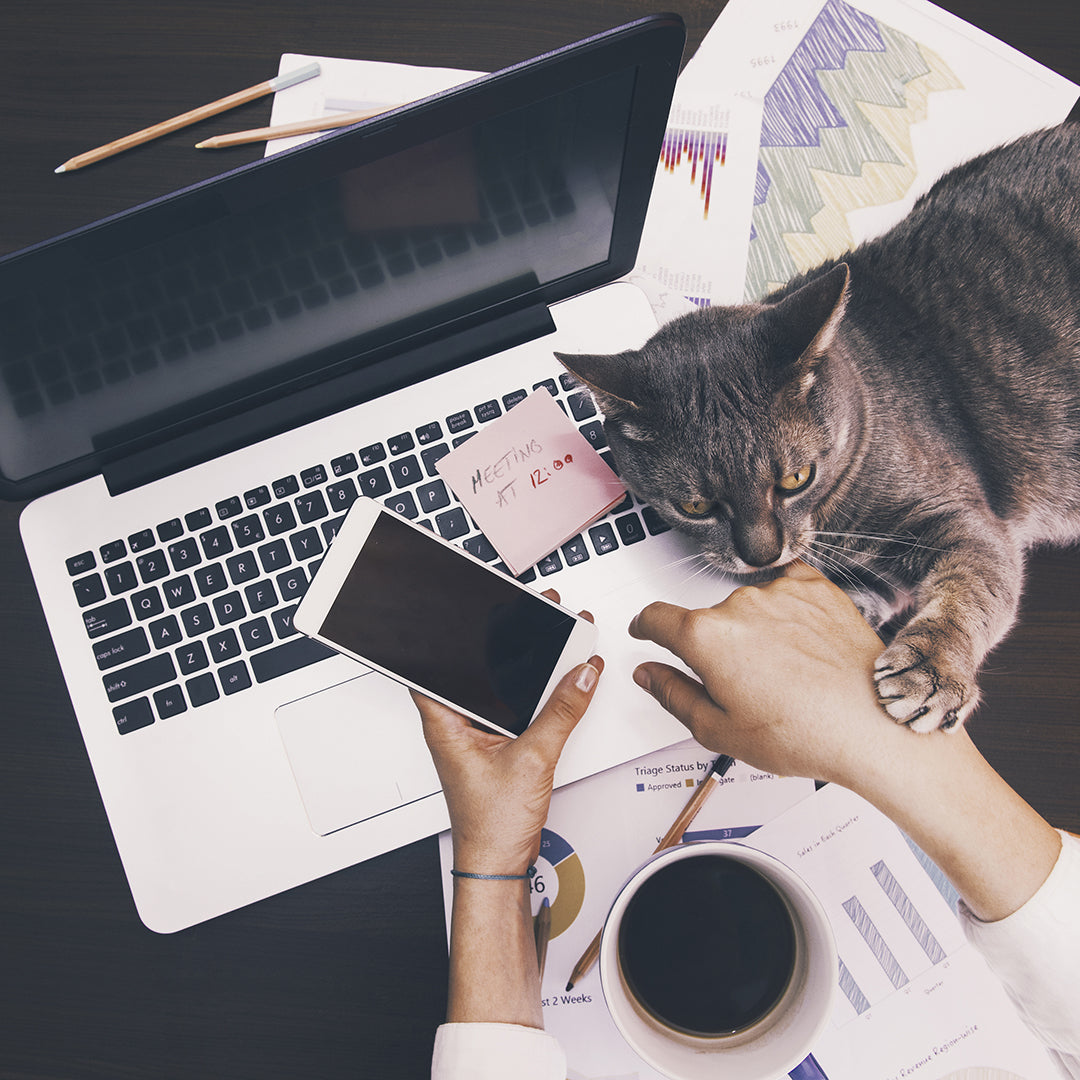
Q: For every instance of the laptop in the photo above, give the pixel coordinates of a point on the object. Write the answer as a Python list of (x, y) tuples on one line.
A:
[(194, 391)]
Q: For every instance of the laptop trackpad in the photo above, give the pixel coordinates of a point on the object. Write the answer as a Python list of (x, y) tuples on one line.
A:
[(356, 750)]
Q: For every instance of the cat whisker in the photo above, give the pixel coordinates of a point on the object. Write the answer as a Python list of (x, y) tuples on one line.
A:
[(888, 538)]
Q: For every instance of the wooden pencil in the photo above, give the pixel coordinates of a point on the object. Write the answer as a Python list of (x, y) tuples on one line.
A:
[(542, 931), (671, 838), (193, 116), (284, 131)]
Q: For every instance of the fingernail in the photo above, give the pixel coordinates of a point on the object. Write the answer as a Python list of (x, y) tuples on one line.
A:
[(641, 677), (586, 678)]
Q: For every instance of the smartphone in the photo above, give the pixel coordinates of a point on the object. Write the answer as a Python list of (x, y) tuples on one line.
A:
[(402, 600)]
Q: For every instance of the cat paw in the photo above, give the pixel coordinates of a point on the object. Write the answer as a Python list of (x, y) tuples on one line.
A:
[(918, 690)]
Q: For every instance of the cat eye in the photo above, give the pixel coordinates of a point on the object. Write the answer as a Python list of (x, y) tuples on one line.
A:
[(796, 480), (697, 507)]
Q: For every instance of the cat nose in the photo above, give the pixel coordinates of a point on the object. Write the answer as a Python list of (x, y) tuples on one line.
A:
[(758, 541)]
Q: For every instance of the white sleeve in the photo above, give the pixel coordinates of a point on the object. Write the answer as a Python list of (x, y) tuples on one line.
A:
[(496, 1052), (1035, 952)]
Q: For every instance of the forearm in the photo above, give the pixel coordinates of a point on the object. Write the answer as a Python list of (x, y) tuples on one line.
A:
[(493, 969), (994, 848)]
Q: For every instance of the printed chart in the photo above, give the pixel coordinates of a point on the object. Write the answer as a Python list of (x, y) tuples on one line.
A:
[(835, 136)]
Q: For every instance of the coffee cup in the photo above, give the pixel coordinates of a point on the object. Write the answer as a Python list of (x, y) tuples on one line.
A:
[(718, 960)]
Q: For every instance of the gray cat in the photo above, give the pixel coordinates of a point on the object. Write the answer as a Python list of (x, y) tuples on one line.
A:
[(907, 419)]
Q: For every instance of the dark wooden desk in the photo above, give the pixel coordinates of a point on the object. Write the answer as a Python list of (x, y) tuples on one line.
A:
[(343, 977)]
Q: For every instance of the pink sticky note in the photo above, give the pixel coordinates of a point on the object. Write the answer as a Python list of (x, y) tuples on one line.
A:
[(531, 481)]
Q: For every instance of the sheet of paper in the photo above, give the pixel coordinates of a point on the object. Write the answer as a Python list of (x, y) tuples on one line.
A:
[(916, 1000), (531, 481), (598, 832), (865, 103)]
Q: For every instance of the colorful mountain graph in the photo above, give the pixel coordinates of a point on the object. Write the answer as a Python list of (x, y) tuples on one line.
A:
[(836, 136)]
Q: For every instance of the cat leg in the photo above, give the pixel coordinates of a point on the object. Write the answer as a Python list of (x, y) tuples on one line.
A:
[(926, 678)]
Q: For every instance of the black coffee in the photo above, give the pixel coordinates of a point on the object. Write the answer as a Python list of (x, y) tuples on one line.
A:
[(707, 945)]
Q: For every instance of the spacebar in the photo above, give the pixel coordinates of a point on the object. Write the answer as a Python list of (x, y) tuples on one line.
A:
[(291, 656)]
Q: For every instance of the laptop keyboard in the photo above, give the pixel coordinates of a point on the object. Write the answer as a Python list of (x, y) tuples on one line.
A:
[(200, 606)]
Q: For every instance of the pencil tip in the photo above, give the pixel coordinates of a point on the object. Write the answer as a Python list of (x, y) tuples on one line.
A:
[(569, 987), (60, 169)]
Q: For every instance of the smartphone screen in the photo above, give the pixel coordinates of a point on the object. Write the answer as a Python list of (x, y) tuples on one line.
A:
[(415, 607)]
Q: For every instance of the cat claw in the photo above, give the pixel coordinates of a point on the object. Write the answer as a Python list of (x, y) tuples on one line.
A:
[(913, 691)]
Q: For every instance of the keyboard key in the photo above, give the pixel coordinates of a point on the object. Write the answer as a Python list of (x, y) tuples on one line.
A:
[(170, 702), (228, 508), (480, 546), (179, 592), (429, 433), (313, 477), (191, 657), (653, 521), (121, 578), (603, 538), (432, 497), (288, 657), (292, 584), (243, 567), (282, 620), (403, 504), (306, 544), (274, 556), (630, 528), (107, 619), (279, 519), (551, 564), (202, 690), (197, 620), (165, 632), (432, 456), (549, 386), (248, 531), (452, 523), (488, 410), (133, 715), (341, 496), (110, 552), (198, 519), (311, 506), (184, 554), (170, 530), (285, 487), (568, 381), (257, 497), (79, 564), (234, 677), (399, 444), (147, 603), (140, 677), (140, 541), (516, 398), (406, 471), (374, 482), (255, 634), (122, 649), (89, 590), (223, 646), (345, 464), (371, 455), (594, 432), (574, 551), (582, 406), (229, 608), (459, 422), (260, 596), (331, 528), (152, 566), (211, 579), (216, 542)]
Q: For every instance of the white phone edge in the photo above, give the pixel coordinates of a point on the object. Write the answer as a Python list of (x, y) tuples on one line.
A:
[(337, 562)]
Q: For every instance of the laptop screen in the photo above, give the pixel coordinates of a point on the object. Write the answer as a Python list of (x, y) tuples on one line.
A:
[(518, 189)]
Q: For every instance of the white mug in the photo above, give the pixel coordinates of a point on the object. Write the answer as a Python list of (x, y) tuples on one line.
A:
[(779, 1040)]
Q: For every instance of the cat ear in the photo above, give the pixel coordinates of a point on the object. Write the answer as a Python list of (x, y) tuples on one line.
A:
[(610, 378), (810, 318)]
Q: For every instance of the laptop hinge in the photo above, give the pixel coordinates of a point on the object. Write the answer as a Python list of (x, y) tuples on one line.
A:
[(207, 441)]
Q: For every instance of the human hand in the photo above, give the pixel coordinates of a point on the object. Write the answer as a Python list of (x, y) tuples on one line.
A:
[(498, 789), (786, 674)]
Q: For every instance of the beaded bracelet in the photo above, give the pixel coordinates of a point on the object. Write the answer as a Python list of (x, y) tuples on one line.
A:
[(530, 873)]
